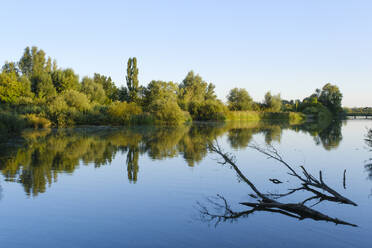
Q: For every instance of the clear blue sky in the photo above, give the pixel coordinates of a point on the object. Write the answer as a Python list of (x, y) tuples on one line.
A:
[(288, 47)]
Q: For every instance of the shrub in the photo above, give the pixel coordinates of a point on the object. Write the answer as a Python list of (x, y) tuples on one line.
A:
[(58, 112), (37, 121), (243, 115), (10, 124), (208, 110), (32, 109), (295, 118), (288, 117), (64, 109), (77, 100), (97, 115), (123, 113), (144, 118), (167, 111)]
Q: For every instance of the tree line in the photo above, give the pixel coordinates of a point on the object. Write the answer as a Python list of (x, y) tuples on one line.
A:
[(35, 89)]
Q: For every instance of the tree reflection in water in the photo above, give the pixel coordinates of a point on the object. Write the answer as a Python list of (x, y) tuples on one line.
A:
[(44, 154), (318, 189), (368, 163)]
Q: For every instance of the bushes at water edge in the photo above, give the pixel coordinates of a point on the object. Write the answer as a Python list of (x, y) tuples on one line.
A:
[(291, 117)]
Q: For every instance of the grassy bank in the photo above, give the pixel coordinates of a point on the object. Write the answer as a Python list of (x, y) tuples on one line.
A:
[(13, 121), (290, 117)]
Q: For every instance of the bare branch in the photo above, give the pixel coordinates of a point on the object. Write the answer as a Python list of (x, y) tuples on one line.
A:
[(267, 202), (307, 179)]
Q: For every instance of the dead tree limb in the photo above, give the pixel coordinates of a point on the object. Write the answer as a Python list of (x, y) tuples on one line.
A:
[(267, 202), (308, 181)]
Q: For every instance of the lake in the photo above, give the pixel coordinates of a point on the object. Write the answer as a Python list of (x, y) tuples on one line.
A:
[(165, 187)]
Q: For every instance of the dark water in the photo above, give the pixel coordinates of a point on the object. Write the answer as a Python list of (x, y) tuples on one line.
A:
[(152, 186)]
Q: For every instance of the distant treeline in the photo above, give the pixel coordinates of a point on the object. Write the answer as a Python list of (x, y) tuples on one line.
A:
[(356, 110), (36, 92)]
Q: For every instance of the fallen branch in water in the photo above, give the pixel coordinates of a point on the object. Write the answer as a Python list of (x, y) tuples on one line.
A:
[(308, 181), (268, 202)]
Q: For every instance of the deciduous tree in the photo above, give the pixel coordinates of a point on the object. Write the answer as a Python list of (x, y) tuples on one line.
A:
[(239, 99), (331, 97), (273, 102)]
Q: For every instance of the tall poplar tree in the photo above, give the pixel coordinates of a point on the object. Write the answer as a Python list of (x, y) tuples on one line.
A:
[(132, 79)]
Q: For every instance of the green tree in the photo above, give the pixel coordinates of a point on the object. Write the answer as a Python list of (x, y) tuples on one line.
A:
[(76, 99), (331, 97), (210, 93), (42, 85), (65, 80), (194, 89), (160, 90), (132, 79), (273, 102), (160, 99), (26, 62), (112, 92), (239, 99), (36, 67), (12, 87), (93, 90), (123, 94), (9, 67)]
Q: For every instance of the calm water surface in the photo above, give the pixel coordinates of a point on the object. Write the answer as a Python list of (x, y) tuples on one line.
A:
[(149, 186)]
